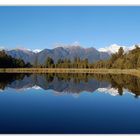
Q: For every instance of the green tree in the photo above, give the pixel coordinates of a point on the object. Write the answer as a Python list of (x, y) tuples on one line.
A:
[(120, 52), (138, 62), (36, 61), (49, 63)]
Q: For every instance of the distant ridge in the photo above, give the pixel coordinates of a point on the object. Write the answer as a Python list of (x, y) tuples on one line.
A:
[(60, 52)]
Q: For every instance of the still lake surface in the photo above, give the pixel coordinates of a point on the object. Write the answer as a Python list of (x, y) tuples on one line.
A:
[(69, 104)]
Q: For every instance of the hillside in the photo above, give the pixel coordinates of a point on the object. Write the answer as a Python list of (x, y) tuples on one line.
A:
[(61, 52)]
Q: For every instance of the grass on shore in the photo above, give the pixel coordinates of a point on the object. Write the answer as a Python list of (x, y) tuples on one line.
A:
[(135, 72)]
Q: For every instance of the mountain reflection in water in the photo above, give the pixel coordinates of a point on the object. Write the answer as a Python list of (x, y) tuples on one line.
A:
[(72, 83)]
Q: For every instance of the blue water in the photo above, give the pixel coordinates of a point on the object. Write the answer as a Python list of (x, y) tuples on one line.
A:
[(45, 111)]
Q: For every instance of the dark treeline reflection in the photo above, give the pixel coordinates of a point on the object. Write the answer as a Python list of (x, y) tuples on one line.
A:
[(7, 79), (71, 83)]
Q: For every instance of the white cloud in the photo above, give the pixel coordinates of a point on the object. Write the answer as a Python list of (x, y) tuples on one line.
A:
[(114, 48)]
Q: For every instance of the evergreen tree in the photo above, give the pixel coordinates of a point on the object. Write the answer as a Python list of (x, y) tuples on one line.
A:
[(36, 61), (49, 63), (120, 52)]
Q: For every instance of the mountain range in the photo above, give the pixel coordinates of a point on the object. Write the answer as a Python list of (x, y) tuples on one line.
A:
[(69, 52)]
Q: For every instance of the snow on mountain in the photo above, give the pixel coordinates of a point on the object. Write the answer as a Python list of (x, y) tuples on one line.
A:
[(37, 50), (26, 54), (70, 52), (114, 48), (28, 50), (111, 91), (65, 51), (36, 87)]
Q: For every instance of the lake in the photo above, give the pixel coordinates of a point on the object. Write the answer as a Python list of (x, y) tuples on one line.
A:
[(69, 104)]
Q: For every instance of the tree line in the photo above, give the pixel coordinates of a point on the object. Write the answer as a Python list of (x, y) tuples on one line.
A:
[(6, 61), (65, 63)]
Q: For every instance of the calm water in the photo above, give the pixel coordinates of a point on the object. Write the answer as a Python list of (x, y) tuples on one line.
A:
[(69, 103)]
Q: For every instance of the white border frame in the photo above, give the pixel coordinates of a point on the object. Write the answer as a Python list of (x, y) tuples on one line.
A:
[(69, 3)]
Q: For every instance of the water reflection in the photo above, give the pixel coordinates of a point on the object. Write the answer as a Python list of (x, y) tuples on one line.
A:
[(73, 83)]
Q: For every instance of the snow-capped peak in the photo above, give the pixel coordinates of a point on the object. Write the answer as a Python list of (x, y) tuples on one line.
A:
[(27, 50), (114, 48), (109, 90), (37, 50), (22, 49)]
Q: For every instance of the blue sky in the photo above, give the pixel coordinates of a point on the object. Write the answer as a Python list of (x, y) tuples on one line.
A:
[(44, 27)]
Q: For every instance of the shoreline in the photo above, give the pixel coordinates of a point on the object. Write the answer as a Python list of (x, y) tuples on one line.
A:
[(135, 72)]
